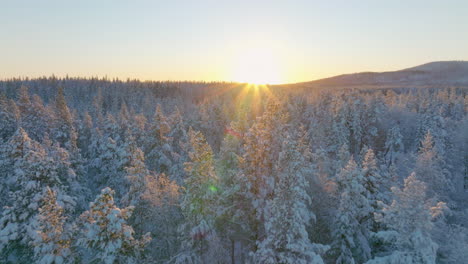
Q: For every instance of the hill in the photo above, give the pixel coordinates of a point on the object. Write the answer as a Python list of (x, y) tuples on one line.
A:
[(433, 73)]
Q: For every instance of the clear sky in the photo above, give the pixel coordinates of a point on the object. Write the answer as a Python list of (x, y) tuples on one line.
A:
[(279, 41)]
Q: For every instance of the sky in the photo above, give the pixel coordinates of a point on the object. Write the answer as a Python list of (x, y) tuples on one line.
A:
[(264, 41)]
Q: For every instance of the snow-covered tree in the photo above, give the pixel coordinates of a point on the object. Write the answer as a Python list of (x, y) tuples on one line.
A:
[(136, 173), (286, 238), (350, 232), (158, 145), (85, 131), (9, 117), (179, 147), (160, 204), (64, 132), (340, 131), (109, 164), (256, 176), (430, 169), (393, 145), (52, 242), (32, 172), (373, 183), (199, 200), (111, 129), (106, 233), (342, 159), (409, 218)]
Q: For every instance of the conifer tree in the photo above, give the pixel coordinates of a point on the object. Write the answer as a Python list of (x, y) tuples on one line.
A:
[(85, 136), (256, 176), (199, 202), (136, 172), (32, 172), (9, 117), (111, 129), (286, 239), (158, 146), (106, 233), (393, 145), (65, 132), (373, 183), (350, 233), (179, 146), (430, 169), (109, 165), (24, 101), (409, 217), (52, 243)]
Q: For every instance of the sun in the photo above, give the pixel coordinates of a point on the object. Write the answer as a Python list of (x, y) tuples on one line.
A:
[(257, 66)]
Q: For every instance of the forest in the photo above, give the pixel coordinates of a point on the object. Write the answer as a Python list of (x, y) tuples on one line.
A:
[(95, 170)]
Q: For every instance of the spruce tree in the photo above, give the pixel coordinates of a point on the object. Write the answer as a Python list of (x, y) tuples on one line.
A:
[(32, 172), (350, 233), (199, 200), (409, 218), (53, 242), (373, 183), (106, 234), (65, 132), (393, 145), (286, 238), (158, 145), (430, 169)]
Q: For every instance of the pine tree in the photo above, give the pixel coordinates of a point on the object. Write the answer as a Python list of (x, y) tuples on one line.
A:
[(63, 167), (136, 173), (393, 145), (227, 167), (160, 204), (199, 202), (430, 169), (85, 136), (40, 119), (342, 159), (137, 177), (32, 172), (179, 146), (106, 234), (256, 176), (52, 243), (286, 239), (96, 111), (340, 134), (159, 149), (409, 217), (65, 132), (111, 129), (124, 117), (34, 117), (9, 118), (350, 233), (24, 102), (373, 182), (109, 165), (356, 124)]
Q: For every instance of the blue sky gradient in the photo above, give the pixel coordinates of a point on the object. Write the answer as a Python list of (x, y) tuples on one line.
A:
[(202, 40)]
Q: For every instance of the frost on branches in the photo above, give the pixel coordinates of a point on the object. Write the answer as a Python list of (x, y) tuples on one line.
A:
[(106, 234), (286, 238), (52, 242), (409, 218)]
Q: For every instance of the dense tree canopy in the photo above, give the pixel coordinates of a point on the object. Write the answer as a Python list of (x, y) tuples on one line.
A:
[(180, 172)]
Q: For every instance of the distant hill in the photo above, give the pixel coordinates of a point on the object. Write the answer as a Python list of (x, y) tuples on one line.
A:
[(433, 73)]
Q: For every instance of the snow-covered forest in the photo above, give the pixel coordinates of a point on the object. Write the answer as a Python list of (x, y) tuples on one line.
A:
[(109, 171)]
